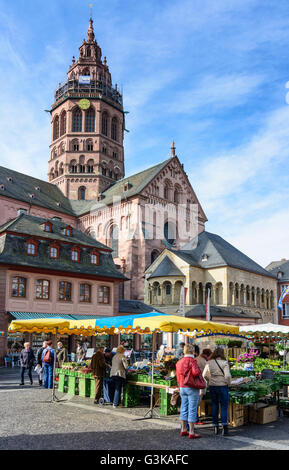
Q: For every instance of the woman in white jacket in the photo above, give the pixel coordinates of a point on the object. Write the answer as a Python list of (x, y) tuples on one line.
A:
[(217, 374), (118, 370)]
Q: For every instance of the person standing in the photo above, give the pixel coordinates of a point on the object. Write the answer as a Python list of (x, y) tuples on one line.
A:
[(48, 364), (180, 351), (39, 362), (118, 373), (98, 367), (202, 360), (217, 373), (80, 352), (27, 359), (61, 354), (189, 396)]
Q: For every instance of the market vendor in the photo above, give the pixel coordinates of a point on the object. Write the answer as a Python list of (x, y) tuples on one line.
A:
[(98, 366)]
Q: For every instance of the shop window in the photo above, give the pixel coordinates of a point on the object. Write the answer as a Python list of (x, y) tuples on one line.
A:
[(18, 286), (42, 289), (64, 292), (85, 293), (103, 295)]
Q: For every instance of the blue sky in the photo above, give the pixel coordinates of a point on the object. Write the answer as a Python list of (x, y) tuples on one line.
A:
[(210, 75)]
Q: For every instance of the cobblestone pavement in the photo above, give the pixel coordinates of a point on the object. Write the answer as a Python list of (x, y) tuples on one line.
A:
[(28, 421)]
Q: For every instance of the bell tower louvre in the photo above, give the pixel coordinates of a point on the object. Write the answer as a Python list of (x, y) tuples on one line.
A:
[(87, 127)]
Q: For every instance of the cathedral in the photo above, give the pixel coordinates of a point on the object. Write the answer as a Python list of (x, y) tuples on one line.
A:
[(90, 223)]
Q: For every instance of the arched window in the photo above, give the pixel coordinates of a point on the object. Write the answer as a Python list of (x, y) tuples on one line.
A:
[(56, 128), (63, 123), (74, 145), (114, 135), (76, 120), (90, 166), (170, 232), (104, 123), (154, 255), (81, 193), (73, 166), (89, 145), (113, 240), (90, 120)]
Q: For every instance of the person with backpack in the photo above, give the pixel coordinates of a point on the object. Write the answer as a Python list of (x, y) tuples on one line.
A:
[(217, 372), (48, 363), (190, 382)]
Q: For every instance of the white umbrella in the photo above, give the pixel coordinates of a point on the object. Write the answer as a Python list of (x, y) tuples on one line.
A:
[(265, 329)]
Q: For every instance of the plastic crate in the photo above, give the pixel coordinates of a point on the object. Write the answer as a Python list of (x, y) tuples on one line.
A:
[(83, 386), (166, 408), (62, 382), (131, 395), (72, 385)]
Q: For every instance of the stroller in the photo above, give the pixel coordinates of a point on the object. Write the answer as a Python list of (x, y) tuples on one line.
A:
[(108, 392)]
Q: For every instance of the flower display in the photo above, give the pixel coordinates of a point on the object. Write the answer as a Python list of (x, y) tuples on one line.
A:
[(248, 357)]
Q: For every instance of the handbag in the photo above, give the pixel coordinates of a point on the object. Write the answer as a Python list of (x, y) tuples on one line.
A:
[(194, 381)]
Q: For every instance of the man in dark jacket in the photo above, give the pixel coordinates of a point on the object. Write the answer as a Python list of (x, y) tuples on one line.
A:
[(27, 359), (98, 367), (39, 360)]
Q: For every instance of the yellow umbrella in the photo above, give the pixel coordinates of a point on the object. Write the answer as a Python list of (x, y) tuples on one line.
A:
[(174, 323), (44, 325)]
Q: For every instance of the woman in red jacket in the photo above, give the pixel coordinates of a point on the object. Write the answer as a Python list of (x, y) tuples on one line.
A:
[(189, 396)]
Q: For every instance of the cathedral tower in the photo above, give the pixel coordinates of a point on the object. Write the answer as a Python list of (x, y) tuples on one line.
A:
[(87, 120)]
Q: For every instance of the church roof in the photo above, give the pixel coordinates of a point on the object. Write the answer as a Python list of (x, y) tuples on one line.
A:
[(136, 183), (166, 268), (208, 250), (33, 191)]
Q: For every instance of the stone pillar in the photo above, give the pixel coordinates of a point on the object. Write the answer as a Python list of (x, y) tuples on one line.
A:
[(204, 296), (239, 295)]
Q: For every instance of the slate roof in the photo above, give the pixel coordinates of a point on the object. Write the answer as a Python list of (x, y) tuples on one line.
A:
[(32, 225), (219, 253), (13, 248), (166, 268), (199, 311), (282, 266), (137, 181), (21, 187), (135, 306)]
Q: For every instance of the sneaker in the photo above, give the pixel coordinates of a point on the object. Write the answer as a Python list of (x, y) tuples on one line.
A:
[(216, 430), (20, 384)]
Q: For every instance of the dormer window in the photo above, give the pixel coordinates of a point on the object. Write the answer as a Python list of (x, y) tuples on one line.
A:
[(127, 186), (75, 254), (37, 188), (47, 227), (68, 231), (94, 258), (2, 187), (10, 179), (205, 257), (54, 251), (32, 247)]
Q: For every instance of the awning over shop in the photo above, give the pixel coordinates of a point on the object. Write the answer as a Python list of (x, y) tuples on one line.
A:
[(265, 329)]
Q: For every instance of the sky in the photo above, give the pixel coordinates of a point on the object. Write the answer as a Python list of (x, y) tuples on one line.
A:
[(212, 75)]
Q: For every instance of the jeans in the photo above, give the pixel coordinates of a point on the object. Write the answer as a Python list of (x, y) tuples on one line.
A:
[(220, 396), (29, 370), (48, 375), (189, 404), (117, 384)]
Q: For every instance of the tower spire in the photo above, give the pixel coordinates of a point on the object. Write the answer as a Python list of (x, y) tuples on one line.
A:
[(90, 32)]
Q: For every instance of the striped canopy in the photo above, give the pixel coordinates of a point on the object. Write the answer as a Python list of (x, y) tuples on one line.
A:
[(265, 329), (143, 324)]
